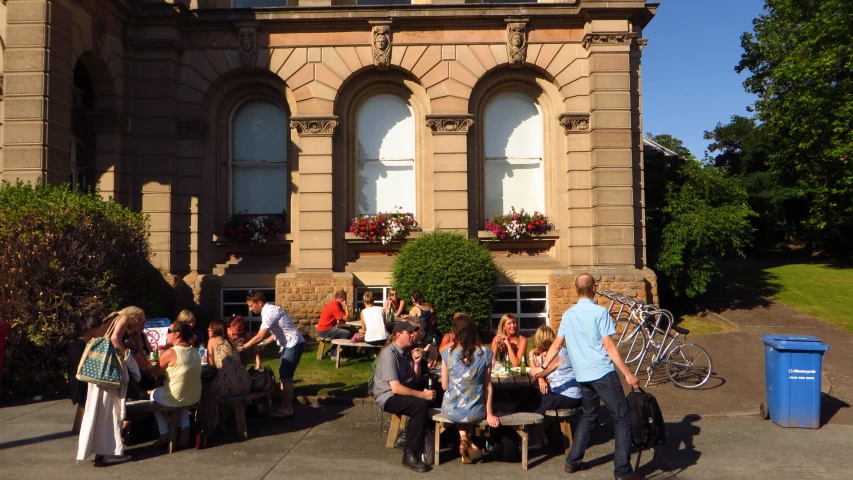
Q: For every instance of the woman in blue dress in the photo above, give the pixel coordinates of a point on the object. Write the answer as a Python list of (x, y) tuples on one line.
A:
[(465, 373)]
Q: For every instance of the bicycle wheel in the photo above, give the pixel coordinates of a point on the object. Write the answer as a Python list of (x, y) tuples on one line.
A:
[(688, 365), (629, 339)]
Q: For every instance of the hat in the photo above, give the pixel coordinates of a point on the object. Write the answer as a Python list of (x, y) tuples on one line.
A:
[(405, 325)]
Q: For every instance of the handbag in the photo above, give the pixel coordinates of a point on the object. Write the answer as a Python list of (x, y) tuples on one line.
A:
[(100, 364), (262, 380)]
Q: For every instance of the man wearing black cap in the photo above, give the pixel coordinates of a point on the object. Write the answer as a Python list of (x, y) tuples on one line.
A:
[(397, 372)]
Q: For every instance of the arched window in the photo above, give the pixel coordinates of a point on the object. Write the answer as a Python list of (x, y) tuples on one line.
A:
[(385, 131), (259, 158), (514, 175)]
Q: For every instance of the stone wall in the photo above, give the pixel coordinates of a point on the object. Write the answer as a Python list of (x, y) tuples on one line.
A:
[(633, 282), (303, 295)]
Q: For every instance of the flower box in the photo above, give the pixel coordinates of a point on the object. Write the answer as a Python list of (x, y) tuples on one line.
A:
[(383, 227), (252, 229), (518, 224)]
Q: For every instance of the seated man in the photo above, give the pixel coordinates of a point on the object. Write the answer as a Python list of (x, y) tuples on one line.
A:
[(334, 314), (397, 372)]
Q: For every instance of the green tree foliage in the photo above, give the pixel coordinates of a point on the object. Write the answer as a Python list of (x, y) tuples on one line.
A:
[(455, 274), (695, 215), (742, 148), (800, 63), (66, 260)]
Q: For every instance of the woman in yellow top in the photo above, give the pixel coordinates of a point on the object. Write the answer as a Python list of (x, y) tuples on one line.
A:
[(182, 387)]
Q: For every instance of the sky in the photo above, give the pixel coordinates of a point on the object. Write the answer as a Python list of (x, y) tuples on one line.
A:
[(689, 81)]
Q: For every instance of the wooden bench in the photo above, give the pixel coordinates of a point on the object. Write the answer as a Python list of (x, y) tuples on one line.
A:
[(521, 422), (239, 404), (398, 422), (563, 415), (152, 406), (342, 342), (322, 347)]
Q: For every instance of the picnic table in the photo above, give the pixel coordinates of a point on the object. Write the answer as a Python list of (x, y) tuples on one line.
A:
[(514, 380)]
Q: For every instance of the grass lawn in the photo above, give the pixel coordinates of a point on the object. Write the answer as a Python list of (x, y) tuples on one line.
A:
[(703, 325), (320, 377), (819, 290)]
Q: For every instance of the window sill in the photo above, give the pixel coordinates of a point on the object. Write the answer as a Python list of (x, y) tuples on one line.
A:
[(277, 240), (485, 235), (353, 239)]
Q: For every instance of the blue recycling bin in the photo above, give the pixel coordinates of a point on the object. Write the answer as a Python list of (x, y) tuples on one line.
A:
[(792, 370)]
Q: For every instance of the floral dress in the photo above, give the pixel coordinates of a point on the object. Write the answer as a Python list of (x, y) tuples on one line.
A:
[(464, 400), (231, 376)]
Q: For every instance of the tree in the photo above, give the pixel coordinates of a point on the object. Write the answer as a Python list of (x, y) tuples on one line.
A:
[(800, 63), (695, 214)]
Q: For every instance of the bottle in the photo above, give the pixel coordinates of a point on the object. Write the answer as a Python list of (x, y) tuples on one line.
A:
[(523, 368), (202, 352), (155, 355), (507, 365), (430, 386)]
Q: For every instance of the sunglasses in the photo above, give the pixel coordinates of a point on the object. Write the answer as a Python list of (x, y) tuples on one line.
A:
[(172, 331)]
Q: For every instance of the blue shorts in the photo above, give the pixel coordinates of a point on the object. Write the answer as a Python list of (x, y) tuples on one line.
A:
[(288, 361)]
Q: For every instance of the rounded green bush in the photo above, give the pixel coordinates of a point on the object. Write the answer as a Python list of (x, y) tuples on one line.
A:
[(67, 259), (455, 274)]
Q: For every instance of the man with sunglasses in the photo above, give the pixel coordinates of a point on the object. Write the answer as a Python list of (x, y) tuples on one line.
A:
[(276, 322)]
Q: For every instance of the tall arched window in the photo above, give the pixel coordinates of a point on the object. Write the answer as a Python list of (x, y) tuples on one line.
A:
[(514, 175), (385, 131), (259, 158)]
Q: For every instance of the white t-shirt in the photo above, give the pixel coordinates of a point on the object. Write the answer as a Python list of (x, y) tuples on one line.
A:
[(374, 320), (279, 323)]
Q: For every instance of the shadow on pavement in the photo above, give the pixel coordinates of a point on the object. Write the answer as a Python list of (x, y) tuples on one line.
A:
[(42, 438), (829, 406), (678, 453)]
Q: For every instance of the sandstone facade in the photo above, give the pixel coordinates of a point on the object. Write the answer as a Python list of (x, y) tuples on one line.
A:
[(139, 95)]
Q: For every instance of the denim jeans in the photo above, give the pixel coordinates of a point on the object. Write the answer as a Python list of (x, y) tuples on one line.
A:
[(609, 389), (288, 360)]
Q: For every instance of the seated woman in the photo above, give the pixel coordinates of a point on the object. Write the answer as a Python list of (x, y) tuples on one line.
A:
[(394, 306), (231, 379), (465, 373), (372, 322), (239, 334), (182, 386), (199, 338), (560, 389), (422, 313), (508, 342)]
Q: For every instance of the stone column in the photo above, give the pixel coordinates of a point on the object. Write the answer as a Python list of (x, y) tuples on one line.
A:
[(615, 143), (313, 217), (38, 82), (451, 169)]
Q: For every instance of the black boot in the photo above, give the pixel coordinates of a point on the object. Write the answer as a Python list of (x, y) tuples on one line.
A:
[(401, 440), (414, 462)]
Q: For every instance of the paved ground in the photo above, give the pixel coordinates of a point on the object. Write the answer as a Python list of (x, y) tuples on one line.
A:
[(713, 432)]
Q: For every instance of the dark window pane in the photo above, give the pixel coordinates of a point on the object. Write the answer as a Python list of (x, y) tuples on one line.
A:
[(234, 296), (530, 323), (504, 307), (533, 291), (269, 294), (508, 293), (510, 1), (495, 322), (533, 306), (228, 310)]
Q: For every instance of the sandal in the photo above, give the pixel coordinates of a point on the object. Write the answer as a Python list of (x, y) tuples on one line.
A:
[(464, 451)]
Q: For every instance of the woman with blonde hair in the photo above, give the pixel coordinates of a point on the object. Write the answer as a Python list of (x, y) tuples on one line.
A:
[(508, 342), (187, 316), (395, 305), (100, 429), (465, 374), (559, 387)]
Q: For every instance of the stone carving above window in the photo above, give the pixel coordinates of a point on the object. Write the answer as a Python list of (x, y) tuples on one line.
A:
[(574, 122), (192, 128), (248, 46), (516, 43), (591, 39), (99, 36), (314, 126), (381, 46), (446, 124)]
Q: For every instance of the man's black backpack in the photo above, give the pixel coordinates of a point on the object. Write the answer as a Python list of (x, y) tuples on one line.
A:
[(647, 426)]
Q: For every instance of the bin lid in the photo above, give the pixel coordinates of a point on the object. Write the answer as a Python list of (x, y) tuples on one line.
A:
[(795, 342)]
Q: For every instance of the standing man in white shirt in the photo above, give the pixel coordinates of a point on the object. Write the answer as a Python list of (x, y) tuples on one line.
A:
[(277, 322)]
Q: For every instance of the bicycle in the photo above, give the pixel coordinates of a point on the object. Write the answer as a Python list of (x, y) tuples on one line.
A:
[(687, 365), (627, 338)]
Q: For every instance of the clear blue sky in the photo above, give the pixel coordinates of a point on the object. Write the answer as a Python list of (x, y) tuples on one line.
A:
[(689, 81)]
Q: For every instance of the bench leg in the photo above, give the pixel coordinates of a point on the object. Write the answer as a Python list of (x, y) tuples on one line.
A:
[(78, 419), (439, 427), (338, 357), (240, 417), (522, 432), (174, 420), (268, 407), (566, 428), (320, 350), (393, 430)]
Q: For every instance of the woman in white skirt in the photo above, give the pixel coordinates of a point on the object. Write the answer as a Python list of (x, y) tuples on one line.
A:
[(100, 430)]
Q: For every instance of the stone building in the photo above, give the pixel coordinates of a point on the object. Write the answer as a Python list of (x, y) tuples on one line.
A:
[(317, 110)]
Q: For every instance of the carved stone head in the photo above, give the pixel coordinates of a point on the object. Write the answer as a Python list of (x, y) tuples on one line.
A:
[(248, 47), (381, 45), (516, 42)]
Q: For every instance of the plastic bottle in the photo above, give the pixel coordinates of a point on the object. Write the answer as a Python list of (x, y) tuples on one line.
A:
[(203, 354)]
